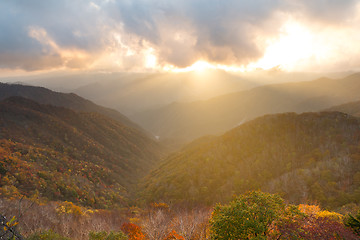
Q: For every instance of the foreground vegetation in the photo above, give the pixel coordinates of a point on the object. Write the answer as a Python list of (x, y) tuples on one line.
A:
[(254, 215)]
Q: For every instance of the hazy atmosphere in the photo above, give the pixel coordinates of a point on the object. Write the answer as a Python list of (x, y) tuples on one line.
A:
[(179, 119)]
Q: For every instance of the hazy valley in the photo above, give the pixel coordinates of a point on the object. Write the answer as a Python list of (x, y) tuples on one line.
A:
[(187, 121)]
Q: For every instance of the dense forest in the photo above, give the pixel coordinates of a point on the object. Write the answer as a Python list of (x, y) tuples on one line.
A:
[(311, 157), (60, 154)]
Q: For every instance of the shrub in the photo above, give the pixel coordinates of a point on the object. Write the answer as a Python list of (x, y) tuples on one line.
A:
[(69, 208), (313, 227)]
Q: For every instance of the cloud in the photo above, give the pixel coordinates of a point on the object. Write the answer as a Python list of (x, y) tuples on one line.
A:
[(40, 35)]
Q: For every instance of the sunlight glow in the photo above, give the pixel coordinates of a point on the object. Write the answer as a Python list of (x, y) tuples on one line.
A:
[(297, 46), (293, 45), (150, 59), (201, 66)]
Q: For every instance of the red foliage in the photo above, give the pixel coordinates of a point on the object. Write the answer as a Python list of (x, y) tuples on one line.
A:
[(174, 235), (317, 228), (133, 231)]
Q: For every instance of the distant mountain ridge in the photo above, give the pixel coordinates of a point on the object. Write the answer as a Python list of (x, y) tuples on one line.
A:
[(352, 108), (187, 121), (132, 93), (311, 157), (69, 100), (60, 154)]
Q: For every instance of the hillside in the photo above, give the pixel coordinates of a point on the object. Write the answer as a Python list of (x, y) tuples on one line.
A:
[(67, 100), (352, 108), (59, 154), (311, 157), (187, 121)]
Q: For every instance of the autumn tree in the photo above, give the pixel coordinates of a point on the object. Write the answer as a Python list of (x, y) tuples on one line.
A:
[(313, 227), (133, 231), (173, 235), (249, 216)]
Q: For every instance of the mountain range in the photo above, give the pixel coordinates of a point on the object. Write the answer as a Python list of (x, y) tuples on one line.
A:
[(57, 146), (188, 121)]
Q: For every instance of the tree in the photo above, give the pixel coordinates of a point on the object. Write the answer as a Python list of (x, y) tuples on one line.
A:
[(354, 223), (173, 235), (249, 216), (133, 231)]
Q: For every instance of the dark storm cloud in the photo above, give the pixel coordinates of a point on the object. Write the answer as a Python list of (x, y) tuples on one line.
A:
[(180, 31)]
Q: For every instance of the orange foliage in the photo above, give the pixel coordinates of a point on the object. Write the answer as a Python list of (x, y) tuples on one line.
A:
[(133, 231), (174, 235), (309, 209), (160, 206)]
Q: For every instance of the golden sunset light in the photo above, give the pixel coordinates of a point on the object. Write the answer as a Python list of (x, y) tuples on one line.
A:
[(133, 38), (179, 119)]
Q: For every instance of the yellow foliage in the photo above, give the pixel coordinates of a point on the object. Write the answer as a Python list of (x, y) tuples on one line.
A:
[(330, 215), (160, 205), (69, 208), (314, 210), (11, 192), (309, 209), (134, 220), (89, 212)]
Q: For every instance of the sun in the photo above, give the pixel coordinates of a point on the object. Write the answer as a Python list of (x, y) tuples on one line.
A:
[(201, 66), (294, 46)]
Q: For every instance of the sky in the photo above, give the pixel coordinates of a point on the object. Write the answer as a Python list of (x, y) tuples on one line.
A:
[(179, 35)]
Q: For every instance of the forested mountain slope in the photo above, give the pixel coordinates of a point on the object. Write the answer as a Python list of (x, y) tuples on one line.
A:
[(311, 157), (60, 154), (68, 100)]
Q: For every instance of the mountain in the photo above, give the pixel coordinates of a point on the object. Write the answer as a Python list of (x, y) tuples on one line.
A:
[(311, 157), (352, 108), (187, 121), (67, 100), (132, 93), (58, 154)]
